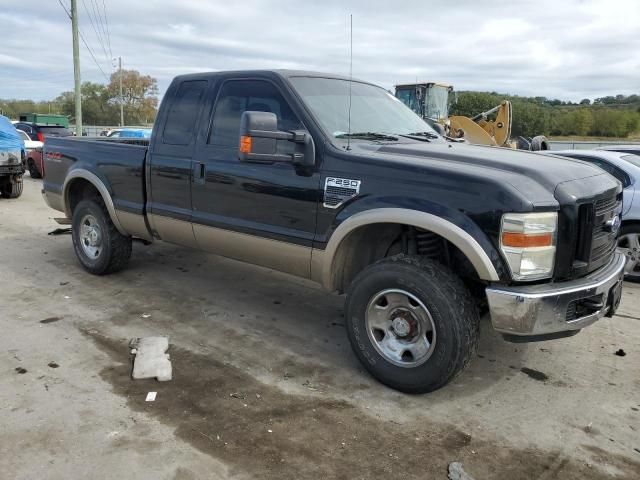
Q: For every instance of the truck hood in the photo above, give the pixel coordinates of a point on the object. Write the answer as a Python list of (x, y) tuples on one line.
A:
[(535, 175)]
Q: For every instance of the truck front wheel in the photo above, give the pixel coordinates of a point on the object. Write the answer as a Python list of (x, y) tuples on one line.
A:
[(98, 244), (411, 322)]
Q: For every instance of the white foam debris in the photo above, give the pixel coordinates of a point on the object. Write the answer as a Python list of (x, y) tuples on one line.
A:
[(151, 360)]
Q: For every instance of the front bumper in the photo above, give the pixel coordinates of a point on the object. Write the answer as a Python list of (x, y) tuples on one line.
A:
[(16, 169), (554, 308)]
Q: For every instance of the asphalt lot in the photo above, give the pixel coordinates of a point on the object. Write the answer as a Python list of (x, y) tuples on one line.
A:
[(265, 384)]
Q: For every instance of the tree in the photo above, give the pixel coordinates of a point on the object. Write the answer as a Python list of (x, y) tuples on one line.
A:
[(585, 101), (139, 94), (96, 106)]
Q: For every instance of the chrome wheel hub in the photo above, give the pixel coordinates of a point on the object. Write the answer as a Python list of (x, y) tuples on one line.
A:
[(400, 328), (90, 236), (629, 246)]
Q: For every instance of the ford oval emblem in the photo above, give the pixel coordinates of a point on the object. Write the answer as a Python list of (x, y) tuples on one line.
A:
[(613, 224)]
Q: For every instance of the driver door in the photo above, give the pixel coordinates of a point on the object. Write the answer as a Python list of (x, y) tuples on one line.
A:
[(255, 212)]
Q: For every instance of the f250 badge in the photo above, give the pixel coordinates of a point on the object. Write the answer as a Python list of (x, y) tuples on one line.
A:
[(339, 190)]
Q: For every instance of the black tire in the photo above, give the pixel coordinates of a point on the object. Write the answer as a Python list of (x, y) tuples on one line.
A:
[(630, 231), (451, 308), (114, 248), (12, 189), (33, 170), (540, 143)]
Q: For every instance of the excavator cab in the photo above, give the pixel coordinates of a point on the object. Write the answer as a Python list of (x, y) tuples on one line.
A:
[(429, 100)]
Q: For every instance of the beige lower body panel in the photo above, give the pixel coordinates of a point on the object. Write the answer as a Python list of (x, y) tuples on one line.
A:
[(173, 231), (282, 256), (134, 225)]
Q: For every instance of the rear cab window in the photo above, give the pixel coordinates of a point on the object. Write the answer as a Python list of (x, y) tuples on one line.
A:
[(183, 113)]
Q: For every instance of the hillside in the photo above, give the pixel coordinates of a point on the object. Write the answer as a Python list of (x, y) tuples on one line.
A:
[(611, 116)]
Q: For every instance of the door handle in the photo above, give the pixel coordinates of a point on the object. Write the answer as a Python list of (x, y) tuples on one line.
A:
[(199, 173)]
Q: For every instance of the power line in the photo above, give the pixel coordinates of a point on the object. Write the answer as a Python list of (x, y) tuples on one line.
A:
[(94, 58), (85, 42), (65, 9), (96, 30), (106, 21), (96, 10)]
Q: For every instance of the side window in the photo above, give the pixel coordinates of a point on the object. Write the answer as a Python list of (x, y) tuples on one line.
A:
[(238, 96), (181, 117), (24, 128), (612, 169), (620, 175)]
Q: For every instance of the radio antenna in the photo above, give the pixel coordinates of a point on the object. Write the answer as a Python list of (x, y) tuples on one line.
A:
[(350, 78)]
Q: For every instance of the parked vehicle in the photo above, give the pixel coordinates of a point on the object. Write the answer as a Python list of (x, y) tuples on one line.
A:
[(11, 160), (37, 131), (631, 148), (35, 163), (28, 143), (337, 181), (33, 155), (626, 168), (44, 119), (130, 133), (135, 133)]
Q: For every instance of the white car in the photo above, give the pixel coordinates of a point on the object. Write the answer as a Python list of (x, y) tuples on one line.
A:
[(28, 143)]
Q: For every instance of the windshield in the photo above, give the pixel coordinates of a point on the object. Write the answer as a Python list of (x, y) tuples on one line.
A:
[(633, 159), (437, 102), (373, 110)]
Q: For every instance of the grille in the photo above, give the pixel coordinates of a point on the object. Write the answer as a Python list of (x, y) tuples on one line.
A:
[(571, 311), (603, 243), (606, 204)]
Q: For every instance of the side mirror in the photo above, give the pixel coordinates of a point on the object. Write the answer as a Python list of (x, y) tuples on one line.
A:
[(259, 137)]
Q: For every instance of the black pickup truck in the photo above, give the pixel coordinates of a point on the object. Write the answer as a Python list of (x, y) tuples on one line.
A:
[(335, 180)]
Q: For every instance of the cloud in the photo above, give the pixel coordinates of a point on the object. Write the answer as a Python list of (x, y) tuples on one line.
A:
[(569, 50)]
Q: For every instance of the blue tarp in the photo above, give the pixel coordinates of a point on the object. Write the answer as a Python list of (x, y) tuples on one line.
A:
[(10, 141), (135, 133)]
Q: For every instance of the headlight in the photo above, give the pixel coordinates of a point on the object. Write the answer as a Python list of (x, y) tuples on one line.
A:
[(528, 243)]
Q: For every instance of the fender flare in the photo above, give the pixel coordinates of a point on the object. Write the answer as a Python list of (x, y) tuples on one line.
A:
[(427, 221), (92, 178)]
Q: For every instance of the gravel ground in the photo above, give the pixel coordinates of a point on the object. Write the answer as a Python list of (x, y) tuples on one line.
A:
[(265, 384)]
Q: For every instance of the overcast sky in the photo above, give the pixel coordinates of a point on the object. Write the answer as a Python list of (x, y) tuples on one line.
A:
[(567, 49)]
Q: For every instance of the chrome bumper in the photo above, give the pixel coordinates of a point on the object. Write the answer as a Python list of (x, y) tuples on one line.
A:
[(538, 310)]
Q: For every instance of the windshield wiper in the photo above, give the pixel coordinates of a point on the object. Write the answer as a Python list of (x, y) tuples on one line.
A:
[(432, 135), (368, 136)]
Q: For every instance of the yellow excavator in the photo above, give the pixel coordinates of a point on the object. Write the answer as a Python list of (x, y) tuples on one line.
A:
[(432, 100)]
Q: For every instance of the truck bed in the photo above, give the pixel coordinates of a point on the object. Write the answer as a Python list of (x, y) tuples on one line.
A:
[(119, 163)]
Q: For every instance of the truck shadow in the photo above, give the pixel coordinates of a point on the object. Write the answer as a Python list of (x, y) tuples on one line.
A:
[(291, 328), (276, 325)]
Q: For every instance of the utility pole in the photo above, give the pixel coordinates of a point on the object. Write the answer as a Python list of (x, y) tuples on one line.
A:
[(76, 66), (121, 98)]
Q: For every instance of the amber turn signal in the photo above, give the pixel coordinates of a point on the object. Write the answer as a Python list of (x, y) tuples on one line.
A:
[(521, 240), (245, 144)]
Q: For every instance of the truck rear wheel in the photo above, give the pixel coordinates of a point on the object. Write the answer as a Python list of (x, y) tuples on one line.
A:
[(12, 188), (411, 322), (33, 170), (98, 244)]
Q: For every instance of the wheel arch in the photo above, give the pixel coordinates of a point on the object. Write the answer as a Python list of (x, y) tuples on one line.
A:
[(326, 264), (78, 178)]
